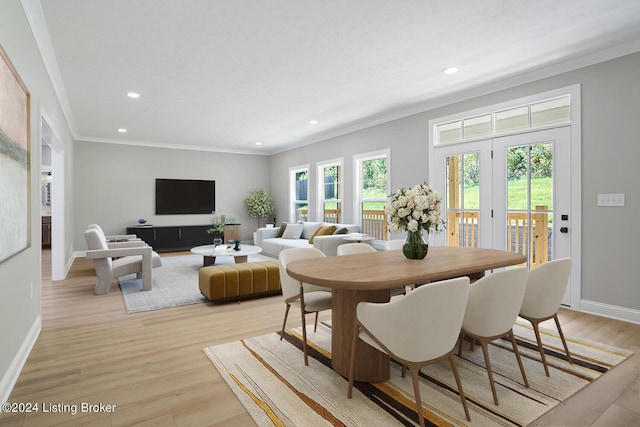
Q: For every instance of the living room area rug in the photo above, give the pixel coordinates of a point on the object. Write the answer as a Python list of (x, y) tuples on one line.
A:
[(269, 377), (175, 283)]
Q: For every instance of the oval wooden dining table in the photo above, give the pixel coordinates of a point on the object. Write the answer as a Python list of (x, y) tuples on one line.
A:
[(369, 277)]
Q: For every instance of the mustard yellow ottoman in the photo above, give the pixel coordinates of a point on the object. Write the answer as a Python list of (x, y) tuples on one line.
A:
[(238, 281)]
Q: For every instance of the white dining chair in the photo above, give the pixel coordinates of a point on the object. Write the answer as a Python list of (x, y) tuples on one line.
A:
[(309, 298), (546, 286), (492, 310), (393, 245), (416, 330)]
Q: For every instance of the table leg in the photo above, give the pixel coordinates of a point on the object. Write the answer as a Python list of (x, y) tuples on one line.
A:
[(208, 260), (240, 259), (371, 364)]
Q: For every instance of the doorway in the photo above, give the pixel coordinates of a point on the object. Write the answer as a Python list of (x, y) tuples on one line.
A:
[(511, 193)]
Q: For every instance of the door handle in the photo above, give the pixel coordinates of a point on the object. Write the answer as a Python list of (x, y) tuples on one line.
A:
[(564, 229)]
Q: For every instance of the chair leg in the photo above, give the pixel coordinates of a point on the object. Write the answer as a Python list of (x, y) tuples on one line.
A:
[(315, 325), (515, 350), (454, 368), (564, 342), (286, 313), (352, 362), (416, 389), (540, 349), (304, 335), (461, 338), (485, 351)]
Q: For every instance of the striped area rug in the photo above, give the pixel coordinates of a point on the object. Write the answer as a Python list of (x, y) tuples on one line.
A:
[(270, 379)]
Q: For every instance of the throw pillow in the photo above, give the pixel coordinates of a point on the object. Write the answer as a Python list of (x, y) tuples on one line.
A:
[(342, 230), (309, 229), (281, 231), (324, 230), (293, 231)]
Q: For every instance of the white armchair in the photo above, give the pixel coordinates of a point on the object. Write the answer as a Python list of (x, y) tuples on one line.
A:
[(131, 255)]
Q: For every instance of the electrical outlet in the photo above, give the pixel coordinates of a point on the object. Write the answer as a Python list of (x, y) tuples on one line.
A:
[(611, 199)]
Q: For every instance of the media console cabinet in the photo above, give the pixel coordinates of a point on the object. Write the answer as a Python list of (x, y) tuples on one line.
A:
[(181, 237)]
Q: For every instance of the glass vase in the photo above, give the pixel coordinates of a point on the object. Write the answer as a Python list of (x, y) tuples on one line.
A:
[(415, 246)]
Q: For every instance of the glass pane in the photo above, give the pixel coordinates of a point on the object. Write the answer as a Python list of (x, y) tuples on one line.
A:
[(530, 201), (477, 127), (552, 111), (449, 132), (331, 182), (374, 220), (463, 191), (517, 168), (332, 212), (374, 179), (541, 158), (302, 182), (302, 212), (513, 119)]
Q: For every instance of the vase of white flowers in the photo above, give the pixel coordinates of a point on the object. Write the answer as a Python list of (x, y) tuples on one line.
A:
[(415, 210)]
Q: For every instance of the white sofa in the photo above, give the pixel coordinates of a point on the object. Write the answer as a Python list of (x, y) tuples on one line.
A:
[(271, 245)]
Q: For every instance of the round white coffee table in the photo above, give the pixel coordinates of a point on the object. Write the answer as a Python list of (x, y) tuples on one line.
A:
[(209, 252)]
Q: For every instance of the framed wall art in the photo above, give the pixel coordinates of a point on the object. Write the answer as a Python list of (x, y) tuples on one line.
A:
[(15, 230)]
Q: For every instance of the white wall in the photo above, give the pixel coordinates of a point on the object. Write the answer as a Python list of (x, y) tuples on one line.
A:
[(20, 276), (115, 185), (610, 160)]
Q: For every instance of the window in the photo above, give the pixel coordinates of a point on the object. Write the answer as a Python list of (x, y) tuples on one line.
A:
[(330, 191), (372, 190), (547, 112), (299, 195)]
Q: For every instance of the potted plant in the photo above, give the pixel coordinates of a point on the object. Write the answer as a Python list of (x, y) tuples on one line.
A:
[(217, 228), (259, 204)]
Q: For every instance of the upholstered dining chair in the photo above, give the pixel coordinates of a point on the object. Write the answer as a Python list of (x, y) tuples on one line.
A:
[(119, 258), (546, 286), (355, 248), (309, 298), (416, 330), (492, 310), (393, 245), (363, 248)]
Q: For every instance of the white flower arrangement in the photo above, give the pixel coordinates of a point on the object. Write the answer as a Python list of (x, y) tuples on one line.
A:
[(413, 209)]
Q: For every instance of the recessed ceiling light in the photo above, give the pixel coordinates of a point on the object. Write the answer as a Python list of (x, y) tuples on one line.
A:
[(450, 70), (258, 143), (313, 122), (122, 130), (133, 95)]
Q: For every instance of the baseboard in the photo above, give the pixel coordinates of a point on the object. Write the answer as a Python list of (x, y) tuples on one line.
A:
[(11, 376), (612, 311)]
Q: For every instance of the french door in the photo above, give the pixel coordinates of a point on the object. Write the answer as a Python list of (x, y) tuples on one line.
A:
[(511, 193)]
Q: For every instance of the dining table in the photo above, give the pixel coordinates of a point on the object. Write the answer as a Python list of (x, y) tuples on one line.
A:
[(369, 277)]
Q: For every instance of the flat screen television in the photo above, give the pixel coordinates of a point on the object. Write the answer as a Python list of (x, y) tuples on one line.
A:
[(185, 196)]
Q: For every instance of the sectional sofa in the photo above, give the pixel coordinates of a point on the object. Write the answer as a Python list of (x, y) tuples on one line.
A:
[(324, 236)]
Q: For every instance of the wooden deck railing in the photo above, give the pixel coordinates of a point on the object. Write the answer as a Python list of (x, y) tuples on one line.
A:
[(464, 230), (374, 222)]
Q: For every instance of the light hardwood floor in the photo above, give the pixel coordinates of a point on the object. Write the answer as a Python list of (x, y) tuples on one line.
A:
[(152, 368)]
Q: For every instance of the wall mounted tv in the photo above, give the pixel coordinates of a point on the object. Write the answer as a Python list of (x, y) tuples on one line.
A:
[(185, 196)]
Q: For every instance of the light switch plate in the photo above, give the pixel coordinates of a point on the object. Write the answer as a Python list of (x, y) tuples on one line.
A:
[(611, 199)]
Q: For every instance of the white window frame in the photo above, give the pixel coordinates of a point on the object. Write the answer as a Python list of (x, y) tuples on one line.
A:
[(358, 159), (292, 190), (320, 166)]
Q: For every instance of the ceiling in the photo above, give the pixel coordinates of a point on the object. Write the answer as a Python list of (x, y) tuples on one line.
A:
[(224, 75)]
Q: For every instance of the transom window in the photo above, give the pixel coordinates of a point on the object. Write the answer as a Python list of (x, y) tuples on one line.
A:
[(535, 115)]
